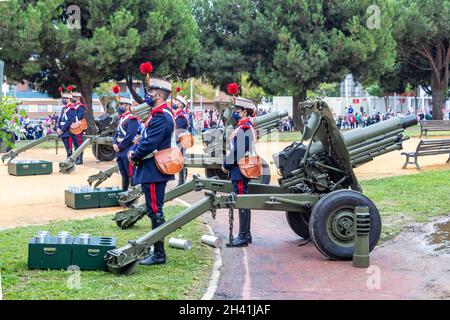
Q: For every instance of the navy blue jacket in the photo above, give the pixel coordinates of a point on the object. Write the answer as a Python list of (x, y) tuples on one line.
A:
[(80, 108), (66, 119), (240, 145), (129, 130), (182, 123), (157, 135), (181, 120)]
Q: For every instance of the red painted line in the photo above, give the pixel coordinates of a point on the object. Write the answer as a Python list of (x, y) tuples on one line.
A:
[(240, 187), (153, 198), (130, 169)]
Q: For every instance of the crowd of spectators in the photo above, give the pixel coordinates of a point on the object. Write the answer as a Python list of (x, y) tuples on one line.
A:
[(351, 119), (28, 129)]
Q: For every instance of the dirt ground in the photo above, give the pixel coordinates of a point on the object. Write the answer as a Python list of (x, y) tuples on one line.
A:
[(40, 199)]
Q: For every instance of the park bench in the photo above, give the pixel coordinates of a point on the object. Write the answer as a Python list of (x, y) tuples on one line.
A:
[(427, 148), (433, 125)]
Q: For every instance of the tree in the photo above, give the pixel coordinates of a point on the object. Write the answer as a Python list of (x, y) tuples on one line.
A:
[(113, 38), (323, 41), (422, 32), (288, 47), (251, 91), (8, 120)]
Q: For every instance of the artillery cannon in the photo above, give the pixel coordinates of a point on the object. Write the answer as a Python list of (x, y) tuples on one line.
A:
[(214, 142), (101, 142), (318, 190)]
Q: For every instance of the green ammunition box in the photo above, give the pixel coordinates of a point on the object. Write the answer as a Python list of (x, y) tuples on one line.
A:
[(43, 167), (50, 254), (30, 168), (82, 200), (20, 169), (108, 197), (91, 255)]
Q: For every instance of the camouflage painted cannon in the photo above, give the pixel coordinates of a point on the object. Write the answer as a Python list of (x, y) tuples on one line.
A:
[(318, 191), (214, 142), (101, 141)]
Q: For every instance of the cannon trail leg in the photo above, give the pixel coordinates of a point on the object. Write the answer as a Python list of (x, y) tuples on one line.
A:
[(124, 260), (127, 218), (14, 153), (68, 165), (102, 176)]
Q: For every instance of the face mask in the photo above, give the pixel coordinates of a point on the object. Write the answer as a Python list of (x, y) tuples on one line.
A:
[(150, 100), (174, 106), (236, 116), (64, 102), (121, 110)]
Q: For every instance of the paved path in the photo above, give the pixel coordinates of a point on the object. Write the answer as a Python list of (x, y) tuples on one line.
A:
[(276, 267)]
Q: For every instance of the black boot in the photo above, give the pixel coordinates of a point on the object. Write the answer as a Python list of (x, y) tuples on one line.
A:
[(182, 177), (79, 159), (125, 183), (157, 257), (241, 240)]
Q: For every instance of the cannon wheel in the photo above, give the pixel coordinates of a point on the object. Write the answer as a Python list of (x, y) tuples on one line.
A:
[(332, 224), (105, 152), (299, 223), (216, 173), (264, 179)]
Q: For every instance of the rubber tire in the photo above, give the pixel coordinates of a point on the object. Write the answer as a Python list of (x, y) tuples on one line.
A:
[(325, 207), (105, 152), (296, 221), (216, 173), (263, 179)]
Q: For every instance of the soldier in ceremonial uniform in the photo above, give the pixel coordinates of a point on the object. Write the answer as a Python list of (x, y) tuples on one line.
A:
[(66, 118), (80, 108), (126, 131), (182, 125), (241, 142), (156, 136)]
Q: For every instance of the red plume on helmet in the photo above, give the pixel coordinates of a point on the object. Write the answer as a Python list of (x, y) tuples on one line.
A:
[(233, 88), (146, 68), (60, 89), (70, 88), (178, 89), (116, 89)]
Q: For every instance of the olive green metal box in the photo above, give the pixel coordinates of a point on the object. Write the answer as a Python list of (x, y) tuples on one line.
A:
[(26, 168), (43, 167), (89, 254), (51, 254), (82, 200), (108, 197)]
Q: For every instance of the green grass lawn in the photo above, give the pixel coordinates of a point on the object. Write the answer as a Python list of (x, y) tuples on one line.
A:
[(185, 276), (414, 131), (402, 199)]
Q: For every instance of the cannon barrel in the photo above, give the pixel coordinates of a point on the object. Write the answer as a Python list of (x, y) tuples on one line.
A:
[(360, 135), (269, 117), (139, 109)]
